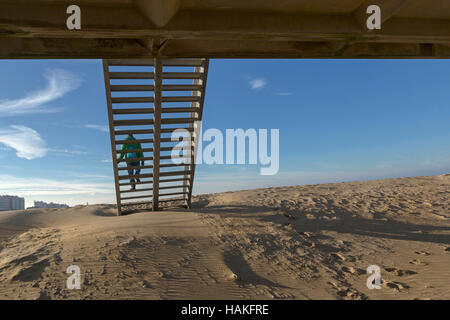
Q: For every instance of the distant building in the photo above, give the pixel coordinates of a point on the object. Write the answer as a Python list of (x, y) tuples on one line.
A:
[(51, 205), (8, 203)]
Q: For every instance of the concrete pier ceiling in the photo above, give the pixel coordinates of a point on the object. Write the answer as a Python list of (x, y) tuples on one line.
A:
[(224, 29)]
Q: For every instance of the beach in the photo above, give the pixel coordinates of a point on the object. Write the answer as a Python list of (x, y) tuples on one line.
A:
[(296, 242)]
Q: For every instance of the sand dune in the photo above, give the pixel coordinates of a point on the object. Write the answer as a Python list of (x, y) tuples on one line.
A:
[(306, 242)]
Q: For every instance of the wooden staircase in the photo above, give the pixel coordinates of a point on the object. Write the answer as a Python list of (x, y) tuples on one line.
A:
[(150, 99)]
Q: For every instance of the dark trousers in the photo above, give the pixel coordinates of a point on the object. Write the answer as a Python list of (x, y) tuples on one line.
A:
[(132, 171)]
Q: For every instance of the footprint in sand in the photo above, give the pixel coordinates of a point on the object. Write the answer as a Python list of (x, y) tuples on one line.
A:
[(418, 262), (352, 270), (399, 272), (423, 253), (398, 286)]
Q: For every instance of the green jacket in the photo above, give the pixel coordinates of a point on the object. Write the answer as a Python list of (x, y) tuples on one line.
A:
[(131, 146)]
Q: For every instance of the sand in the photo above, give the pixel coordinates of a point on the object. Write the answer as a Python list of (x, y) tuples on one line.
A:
[(304, 242)]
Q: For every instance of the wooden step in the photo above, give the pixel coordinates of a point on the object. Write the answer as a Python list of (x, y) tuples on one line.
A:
[(182, 75), (182, 63), (172, 194), (136, 203), (136, 176), (131, 75), (129, 183), (182, 99), (148, 131), (177, 120), (138, 122), (136, 190), (136, 197), (136, 159), (133, 100), (150, 62), (132, 87), (133, 131), (130, 62), (172, 187), (134, 168), (174, 180), (174, 173), (134, 141), (181, 87), (172, 200), (179, 110), (134, 111), (151, 110), (135, 150)]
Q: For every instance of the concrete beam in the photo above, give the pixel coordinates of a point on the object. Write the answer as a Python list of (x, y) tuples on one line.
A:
[(39, 30), (48, 21), (29, 48), (159, 12), (388, 9)]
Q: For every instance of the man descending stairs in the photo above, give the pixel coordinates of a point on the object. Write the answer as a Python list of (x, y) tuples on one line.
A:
[(148, 100)]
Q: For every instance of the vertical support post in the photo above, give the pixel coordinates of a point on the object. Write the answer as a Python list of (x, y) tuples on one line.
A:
[(198, 117), (157, 129), (112, 134)]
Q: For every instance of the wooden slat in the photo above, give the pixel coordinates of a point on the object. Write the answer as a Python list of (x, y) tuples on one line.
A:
[(181, 75), (136, 190), (133, 111), (177, 120), (174, 180), (171, 194), (181, 87), (137, 122), (149, 131), (133, 131), (129, 183), (150, 62), (132, 75), (135, 168), (136, 159), (136, 176), (173, 173), (182, 62), (136, 197), (132, 87), (132, 100), (171, 187), (136, 203), (171, 200), (135, 150), (134, 141), (179, 110), (130, 62), (181, 99)]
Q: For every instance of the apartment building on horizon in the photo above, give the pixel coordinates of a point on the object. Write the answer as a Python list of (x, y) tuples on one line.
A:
[(8, 203), (51, 205)]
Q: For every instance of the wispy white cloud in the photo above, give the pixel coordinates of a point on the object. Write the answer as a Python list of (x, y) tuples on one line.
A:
[(106, 161), (257, 83), (59, 82), (26, 141), (52, 190), (97, 127), (67, 151)]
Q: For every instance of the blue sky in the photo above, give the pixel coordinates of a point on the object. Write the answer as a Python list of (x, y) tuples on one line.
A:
[(339, 121)]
